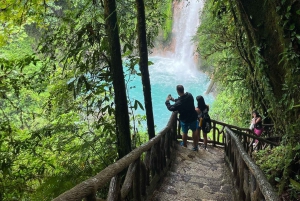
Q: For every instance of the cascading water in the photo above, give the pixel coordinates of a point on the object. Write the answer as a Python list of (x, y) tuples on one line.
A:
[(175, 67)]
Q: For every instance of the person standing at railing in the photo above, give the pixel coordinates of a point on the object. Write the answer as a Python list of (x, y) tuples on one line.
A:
[(187, 114), (257, 124), (201, 109)]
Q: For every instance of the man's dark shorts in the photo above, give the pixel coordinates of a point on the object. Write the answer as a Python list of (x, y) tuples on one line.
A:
[(186, 126)]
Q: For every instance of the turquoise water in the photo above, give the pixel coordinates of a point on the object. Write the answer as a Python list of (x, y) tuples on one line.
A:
[(165, 75)]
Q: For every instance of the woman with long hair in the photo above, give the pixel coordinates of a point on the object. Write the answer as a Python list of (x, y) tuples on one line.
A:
[(201, 109), (257, 124)]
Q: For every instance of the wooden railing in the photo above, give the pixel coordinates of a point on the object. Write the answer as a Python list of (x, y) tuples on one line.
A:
[(145, 166), (246, 136), (249, 180)]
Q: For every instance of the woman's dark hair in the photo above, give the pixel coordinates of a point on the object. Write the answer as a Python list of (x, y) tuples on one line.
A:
[(201, 103), (255, 112)]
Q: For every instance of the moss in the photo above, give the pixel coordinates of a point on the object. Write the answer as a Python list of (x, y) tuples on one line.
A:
[(169, 21)]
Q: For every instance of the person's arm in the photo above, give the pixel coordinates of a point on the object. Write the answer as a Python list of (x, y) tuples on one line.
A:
[(173, 107), (257, 120)]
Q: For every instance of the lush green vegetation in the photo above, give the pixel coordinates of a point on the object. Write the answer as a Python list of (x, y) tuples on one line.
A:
[(167, 28), (252, 52), (57, 125)]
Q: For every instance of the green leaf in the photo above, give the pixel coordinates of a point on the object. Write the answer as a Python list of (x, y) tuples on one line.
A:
[(150, 63), (136, 104), (292, 27), (298, 12), (140, 105), (295, 184), (297, 147), (277, 179), (277, 8)]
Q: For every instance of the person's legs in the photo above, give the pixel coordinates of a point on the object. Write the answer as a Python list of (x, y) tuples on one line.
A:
[(195, 139), (205, 140), (184, 129), (193, 126), (196, 135), (184, 139)]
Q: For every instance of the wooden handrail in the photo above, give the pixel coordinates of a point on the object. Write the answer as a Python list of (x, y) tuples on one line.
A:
[(88, 188), (250, 181)]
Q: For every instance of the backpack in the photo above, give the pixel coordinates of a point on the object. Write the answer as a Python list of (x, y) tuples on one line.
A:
[(206, 123)]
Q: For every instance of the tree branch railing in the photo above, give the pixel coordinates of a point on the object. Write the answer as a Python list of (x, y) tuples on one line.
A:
[(145, 166), (249, 180), (246, 136)]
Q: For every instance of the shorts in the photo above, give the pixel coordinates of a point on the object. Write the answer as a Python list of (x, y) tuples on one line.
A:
[(186, 126), (258, 131)]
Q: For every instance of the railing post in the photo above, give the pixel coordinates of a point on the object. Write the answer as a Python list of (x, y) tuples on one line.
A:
[(214, 133), (136, 181), (147, 162), (167, 145), (153, 160), (245, 143), (91, 197), (143, 178), (241, 177), (114, 193), (174, 129), (178, 129)]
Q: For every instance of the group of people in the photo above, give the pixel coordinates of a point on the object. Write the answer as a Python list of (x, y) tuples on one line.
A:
[(189, 116)]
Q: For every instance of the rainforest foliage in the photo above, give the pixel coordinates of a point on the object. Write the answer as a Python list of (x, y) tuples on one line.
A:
[(57, 121), (57, 124), (252, 49)]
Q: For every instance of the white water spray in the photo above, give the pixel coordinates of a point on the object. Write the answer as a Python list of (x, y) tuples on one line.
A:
[(186, 22), (182, 59)]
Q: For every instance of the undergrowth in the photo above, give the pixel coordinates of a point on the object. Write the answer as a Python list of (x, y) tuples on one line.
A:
[(273, 161)]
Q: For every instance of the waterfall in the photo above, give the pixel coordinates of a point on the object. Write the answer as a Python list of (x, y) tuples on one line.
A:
[(181, 55), (176, 65), (185, 24)]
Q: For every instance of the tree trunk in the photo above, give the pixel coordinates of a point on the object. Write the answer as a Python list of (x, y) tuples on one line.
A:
[(142, 40), (116, 70)]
